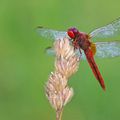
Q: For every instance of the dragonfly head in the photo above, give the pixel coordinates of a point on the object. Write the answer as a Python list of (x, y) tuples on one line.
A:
[(72, 32)]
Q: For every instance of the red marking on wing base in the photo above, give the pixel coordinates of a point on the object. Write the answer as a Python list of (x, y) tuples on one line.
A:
[(93, 65)]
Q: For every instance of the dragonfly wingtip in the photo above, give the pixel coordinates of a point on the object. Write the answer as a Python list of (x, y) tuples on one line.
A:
[(39, 26)]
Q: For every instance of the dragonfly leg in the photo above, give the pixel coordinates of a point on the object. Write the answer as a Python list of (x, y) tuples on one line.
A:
[(75, 44), (75, 48), (80, 53)]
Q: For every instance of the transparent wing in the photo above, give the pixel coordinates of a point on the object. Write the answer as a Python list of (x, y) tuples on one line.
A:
[(110, 30), (50, 51), (107, 49), (104, 50), (51, 34)]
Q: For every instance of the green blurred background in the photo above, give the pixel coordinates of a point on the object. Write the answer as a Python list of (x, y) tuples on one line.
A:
[(24, 67)]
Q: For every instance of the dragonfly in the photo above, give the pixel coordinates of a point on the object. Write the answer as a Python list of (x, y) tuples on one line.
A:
[(86, 45)]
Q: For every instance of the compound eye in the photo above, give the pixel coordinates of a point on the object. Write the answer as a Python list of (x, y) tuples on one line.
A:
[(71, 34)]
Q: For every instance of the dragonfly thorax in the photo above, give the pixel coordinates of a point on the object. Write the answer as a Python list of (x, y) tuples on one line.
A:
[(81, 41)]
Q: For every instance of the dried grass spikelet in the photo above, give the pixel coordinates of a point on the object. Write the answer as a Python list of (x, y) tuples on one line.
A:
[(66, 64), (66, 61)]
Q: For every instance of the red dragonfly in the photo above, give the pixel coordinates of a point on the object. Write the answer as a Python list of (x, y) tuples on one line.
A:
[(83, 44)]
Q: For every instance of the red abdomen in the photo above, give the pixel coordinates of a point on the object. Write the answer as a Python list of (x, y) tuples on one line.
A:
[(93, 65)]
